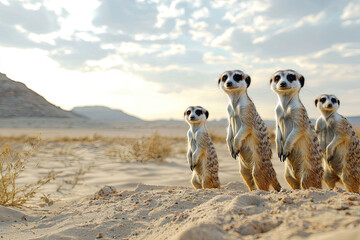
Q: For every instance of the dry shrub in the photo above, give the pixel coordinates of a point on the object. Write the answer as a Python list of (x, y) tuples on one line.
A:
[(216, 137), (357, 130), (147, 149), (12, 164)]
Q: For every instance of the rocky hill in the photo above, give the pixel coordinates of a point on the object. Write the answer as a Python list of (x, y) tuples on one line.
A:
[(105, 114), (17, 100)]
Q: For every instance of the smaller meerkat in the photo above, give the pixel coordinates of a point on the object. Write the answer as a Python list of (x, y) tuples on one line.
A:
[(340, 145), (296, 140), (201, 153), (247, 135)]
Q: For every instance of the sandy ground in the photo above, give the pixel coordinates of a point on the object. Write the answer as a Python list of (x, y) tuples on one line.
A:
[(156, 201)]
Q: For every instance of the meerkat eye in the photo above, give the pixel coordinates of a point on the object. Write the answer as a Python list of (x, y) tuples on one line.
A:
[(291, 77), (188, 112), (198, 112), (224, 78), (237, 77), (333, 100), (277, 78), (322, 100)]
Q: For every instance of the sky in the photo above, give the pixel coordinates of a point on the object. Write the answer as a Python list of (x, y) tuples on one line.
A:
[(154, 58)]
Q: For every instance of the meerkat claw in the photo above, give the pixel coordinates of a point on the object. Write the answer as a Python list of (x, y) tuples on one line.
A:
[(285, 157), (330, 159)]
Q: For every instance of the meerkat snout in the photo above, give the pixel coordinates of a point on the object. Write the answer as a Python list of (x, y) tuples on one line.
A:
[(233, 81), (286, 80), (196, 114), (327, 102)]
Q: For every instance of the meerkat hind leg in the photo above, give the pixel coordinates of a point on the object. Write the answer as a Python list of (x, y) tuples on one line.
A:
[(195, 181), (208, 182), (260, 180), (294, 183), (330, 178), (350, 183), (246, 173)]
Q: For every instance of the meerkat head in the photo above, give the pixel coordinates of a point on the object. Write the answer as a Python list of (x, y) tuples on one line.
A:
[(286, 81), (234, 81), (196, 115), (327, 103)]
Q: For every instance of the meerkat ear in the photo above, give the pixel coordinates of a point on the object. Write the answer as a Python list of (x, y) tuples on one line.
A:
[(248, 81), (316, 102), (207, 114), (339, 102), (271, 80), (302, 81), (219, 81)]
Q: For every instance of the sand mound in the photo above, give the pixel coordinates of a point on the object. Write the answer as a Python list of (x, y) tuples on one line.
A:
[(158, 212)]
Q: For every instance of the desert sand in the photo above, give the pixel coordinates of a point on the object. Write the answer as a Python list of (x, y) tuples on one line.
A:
[(96, 194)]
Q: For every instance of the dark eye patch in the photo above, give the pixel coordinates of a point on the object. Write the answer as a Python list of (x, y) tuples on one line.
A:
[(291, 77), (188, 112), (237, 77), (277, 78), (224, 78), (198, 112), (333, 100), (322, 100)]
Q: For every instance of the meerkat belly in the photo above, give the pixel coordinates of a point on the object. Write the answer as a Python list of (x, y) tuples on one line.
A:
[(286, 126), (248, 150), (236, 124), (338, 160), (326, 137)]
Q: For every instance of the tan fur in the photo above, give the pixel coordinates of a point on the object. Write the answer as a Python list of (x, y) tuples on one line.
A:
[(248, 138), (341, 148), (201, 155), (296, 139)]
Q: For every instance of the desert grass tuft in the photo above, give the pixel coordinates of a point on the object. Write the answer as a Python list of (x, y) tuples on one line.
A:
[(155, 148), (12, 164)]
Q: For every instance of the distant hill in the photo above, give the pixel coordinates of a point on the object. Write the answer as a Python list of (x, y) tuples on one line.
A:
[(354, 120), (17, 100), (105, 114)]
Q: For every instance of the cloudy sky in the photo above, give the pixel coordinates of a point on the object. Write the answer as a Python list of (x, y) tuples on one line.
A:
[(153, 58)]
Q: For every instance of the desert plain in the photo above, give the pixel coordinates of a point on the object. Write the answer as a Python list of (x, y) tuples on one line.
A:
[(105, 186)]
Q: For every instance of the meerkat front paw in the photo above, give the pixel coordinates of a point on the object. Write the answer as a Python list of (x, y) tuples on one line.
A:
[(192, 167), (279, 152), (284, 156), (328, 154)]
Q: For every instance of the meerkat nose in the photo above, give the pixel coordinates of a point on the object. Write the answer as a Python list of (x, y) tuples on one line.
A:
[(283, 84), (192, 117), (330, 105), (229, 84)]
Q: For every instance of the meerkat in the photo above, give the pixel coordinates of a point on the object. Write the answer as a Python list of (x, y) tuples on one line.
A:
[(201, 154), (296, 140), (340, 145), (247, 136)]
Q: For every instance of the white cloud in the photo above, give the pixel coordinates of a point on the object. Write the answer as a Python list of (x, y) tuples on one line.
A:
[(199, 31), (166, 12), (311, 19), (345, 50), (174, 49), (223, 39), (351, 14), (210, 58), (202, 13), (87, 37)]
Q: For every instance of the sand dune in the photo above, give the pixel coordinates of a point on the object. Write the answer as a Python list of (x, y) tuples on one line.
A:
[(156, 201)]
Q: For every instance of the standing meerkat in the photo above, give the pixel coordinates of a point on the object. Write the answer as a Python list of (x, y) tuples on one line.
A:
[(340, 145), (247, 135), (201, 152), (296, 138)]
